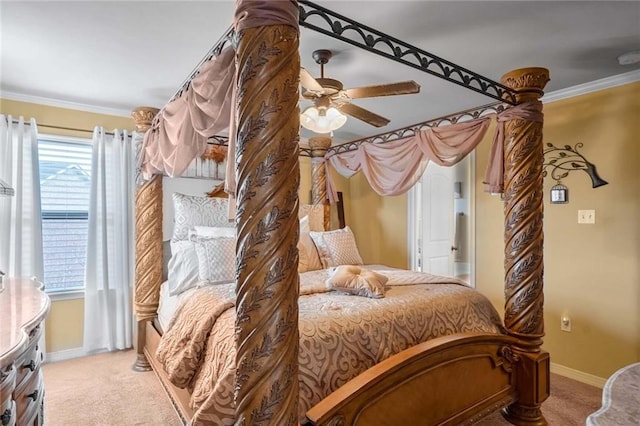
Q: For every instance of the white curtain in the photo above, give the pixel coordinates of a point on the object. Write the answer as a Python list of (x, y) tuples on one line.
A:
[(108, 313), (20, 215)]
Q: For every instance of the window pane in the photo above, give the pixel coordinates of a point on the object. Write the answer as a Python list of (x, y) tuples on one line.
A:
[(65, 185)]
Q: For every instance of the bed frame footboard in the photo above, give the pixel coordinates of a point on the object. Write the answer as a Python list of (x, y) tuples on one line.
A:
[(446, 381)]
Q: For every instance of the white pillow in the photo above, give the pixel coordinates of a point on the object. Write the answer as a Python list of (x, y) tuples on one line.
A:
[(182, 270), (357, 281), (216, 259), (192, 210), (213, 231), (337, 247), (309, 260)]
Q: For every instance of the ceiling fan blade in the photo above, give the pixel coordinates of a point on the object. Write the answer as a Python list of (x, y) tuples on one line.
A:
[(402, 88), (309, 82), (363, 114)]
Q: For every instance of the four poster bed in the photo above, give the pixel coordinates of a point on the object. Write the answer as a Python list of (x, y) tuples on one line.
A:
[(265, 327)]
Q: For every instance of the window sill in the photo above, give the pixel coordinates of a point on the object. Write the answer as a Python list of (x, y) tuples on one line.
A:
[(66, 295)]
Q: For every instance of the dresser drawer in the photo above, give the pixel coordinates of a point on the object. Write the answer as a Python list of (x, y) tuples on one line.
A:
[(29, 396), (7, 385), (8, 414), (30, 361)]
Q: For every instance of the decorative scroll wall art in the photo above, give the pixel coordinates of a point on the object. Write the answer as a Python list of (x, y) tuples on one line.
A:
[(559, 162)]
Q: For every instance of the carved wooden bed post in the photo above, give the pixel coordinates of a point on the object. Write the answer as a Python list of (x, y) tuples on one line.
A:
[(268, 177), (523, 206), (319, 146), (148, 276)]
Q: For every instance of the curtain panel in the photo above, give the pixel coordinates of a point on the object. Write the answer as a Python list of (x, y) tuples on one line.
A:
[(109, 274), (20, 216)]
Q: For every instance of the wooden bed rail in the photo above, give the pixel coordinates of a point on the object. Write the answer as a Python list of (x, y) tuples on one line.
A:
[(450, 380)]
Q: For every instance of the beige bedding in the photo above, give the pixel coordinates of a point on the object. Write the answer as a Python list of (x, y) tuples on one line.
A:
[(340, 335)]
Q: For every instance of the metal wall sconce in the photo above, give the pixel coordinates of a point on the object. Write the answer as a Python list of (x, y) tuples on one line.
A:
[(561, 161)]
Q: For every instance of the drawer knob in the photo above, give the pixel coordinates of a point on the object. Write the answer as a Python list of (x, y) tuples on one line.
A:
[(5, 417), (33, 395), (31, 366)]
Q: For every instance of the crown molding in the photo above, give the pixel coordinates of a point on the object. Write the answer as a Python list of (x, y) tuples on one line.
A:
[(557, 95), (592, 86), (20, 97)]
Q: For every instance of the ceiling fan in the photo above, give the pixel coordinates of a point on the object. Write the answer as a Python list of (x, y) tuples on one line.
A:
[(330, 98)]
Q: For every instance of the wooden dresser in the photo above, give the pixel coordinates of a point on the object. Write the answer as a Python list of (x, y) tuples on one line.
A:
[(23, 307)]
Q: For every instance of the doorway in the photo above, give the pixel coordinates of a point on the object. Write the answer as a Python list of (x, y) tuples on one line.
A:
[(441, 224)]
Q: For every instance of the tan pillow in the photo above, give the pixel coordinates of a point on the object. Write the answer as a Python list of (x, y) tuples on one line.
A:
[(309, 260), (315, 213), (337, 247), (358, 281)]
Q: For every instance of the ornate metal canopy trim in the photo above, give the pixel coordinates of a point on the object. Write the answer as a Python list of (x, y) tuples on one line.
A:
[(342, 28)]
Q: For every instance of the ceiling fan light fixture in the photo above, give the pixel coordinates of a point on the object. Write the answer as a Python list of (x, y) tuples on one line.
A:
[(322, 119)]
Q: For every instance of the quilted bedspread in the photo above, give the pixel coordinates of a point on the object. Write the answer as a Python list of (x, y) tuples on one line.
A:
[(340, 335)]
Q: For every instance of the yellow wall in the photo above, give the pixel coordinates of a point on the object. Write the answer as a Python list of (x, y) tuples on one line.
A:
[(591, 271), (64, 325), (379, 224), (64, 117)]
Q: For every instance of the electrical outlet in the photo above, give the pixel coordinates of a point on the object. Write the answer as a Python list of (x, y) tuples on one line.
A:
[(565, 323), (587, 216)]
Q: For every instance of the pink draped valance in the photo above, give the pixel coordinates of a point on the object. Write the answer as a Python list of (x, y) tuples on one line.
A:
[(392, 168), (180, 130)]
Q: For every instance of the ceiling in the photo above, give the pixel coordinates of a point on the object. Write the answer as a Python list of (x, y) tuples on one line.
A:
[(117, 55)]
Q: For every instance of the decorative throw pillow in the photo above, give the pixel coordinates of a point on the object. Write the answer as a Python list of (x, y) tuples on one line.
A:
[(192, 210), (216, 259), (182, 269), (315, 214), (213, 231), (309, 260), (358, 281), (337, 247)]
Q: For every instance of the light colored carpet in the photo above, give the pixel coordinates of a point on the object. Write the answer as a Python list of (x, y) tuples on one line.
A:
[(569, 404), (103, 390)]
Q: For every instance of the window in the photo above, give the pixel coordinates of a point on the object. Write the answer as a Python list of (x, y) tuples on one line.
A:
[(65, 185)]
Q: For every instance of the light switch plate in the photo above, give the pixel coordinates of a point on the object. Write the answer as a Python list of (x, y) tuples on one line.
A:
[(587, 216)]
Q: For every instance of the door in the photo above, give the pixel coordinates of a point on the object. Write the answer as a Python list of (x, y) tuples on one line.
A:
[(437, 220), (440, 221)]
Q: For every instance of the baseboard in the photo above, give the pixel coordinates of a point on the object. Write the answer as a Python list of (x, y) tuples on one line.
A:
[(65, 355), (578, 375)]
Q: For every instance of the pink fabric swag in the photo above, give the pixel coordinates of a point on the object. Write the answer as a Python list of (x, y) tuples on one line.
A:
[(392, 168), (180, 130)]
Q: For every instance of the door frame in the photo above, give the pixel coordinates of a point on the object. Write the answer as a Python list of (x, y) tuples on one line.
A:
[(414, 222)]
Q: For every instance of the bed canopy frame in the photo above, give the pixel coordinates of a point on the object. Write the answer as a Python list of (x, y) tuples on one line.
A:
[(426, 384)]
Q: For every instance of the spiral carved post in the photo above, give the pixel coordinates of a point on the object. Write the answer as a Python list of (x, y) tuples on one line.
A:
[(268, 177), (148, 276), (523, 206), (319, 146)]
